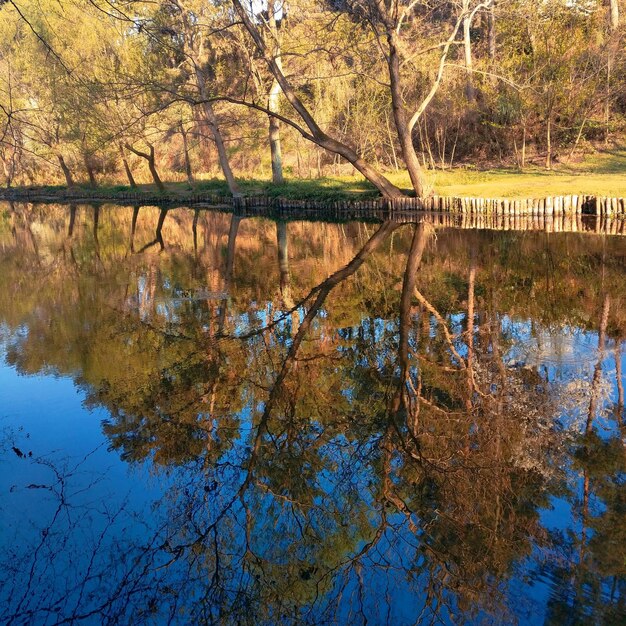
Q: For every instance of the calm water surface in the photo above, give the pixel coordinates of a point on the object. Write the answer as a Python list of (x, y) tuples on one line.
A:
[(209, 419)]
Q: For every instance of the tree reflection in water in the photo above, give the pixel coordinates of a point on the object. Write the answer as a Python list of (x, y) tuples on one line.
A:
[(323, 423)]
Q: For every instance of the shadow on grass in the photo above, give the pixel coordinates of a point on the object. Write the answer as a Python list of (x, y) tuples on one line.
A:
[(609, 161)]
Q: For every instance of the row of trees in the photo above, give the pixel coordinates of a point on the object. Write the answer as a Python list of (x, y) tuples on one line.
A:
[(92, 89)]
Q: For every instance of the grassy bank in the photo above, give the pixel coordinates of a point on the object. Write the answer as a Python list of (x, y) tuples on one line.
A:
[(602, 174)]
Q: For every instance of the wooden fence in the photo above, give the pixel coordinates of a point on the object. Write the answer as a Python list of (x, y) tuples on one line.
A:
[(552, 205), (578, 214)]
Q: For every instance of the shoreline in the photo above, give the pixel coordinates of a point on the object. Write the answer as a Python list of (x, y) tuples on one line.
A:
[(373, 207)]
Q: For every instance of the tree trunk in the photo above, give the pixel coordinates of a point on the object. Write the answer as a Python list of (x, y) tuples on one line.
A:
[(612, 49), (399, 114), (491, 24), (317, 135), (549, 143), (391, 143), (69, 181), (10, 159), (188, 171), (196, 50), (7, 172), (149, 157), (129, 174), (211, 120), (274, 137), (467, 46), (90, 173), (613, 15), (273, 101), (155, 176)]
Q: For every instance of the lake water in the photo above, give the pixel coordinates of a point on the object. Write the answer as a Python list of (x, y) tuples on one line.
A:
[(212, 419)]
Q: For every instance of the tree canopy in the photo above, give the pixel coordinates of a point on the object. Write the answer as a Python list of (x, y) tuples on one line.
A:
[(175, 90)]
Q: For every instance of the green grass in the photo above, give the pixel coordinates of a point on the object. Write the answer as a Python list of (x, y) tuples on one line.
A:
[(603, 174)]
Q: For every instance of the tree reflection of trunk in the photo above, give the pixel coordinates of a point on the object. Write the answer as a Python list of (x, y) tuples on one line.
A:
[(211, 394), (159, 229), (320, 293), (580, 566), (597, 374), (388, 450), (497, 421), (133, 227), (584, 567), (621, 417), (232, 242), (146, 294), (426, 305), (414, 260), (283, 264), (26, 221), (230, 268), (194, 229), (70, 228), (158, 237), (402, 398), (67, 245), (470, 330), (96, 226)]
